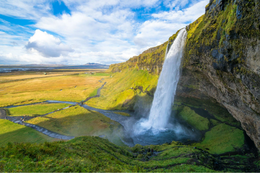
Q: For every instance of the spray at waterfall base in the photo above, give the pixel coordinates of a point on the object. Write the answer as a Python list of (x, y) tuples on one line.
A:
[(158, 125)]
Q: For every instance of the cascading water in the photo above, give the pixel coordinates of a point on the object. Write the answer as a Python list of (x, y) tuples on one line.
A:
[(166, 89)]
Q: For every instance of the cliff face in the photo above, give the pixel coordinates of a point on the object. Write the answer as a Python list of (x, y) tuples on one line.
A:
[(221, 60), (224, 49)]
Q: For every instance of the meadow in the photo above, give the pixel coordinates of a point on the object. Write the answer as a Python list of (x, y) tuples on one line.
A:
[(29, 90), (123, 91), (31, 87)]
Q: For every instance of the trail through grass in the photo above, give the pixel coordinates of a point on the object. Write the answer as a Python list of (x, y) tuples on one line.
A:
[(76, 87), (78, 121), (33, 110), (11, 132)]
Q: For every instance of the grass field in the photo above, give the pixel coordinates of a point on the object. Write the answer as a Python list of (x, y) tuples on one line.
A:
[(122, 88), (78, 121), (11, 132), (33, 110), (66, 87), (92, 154), (223, 138)]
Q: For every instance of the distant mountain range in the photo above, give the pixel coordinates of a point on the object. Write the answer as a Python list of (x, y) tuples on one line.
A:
[(59, 66)]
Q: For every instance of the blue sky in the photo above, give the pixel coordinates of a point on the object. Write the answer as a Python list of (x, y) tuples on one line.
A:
[(82, 31)]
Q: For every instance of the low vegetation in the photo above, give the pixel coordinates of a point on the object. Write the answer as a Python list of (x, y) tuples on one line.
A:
[(194, 119), (223, 138), (121, 91), (220, 132), (11, 132), (72, 87), (34, 110), (95, 154), (78, 121)]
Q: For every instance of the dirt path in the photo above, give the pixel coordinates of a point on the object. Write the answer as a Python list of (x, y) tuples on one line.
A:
[(97, 95), (47, 132), (18, 119)]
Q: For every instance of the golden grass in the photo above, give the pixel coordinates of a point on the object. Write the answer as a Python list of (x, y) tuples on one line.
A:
[(64, 88), (38, 109)]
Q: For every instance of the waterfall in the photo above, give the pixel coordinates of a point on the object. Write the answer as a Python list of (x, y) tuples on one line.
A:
[(166, 87)]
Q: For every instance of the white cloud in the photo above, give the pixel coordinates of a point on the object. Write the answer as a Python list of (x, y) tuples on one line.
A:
[(28, 9), (164, 24), (98, 31), (187, 15), (47, 45)]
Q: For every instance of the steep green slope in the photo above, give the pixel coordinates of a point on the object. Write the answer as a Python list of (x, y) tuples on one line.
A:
[(93, 154), (124, 89)]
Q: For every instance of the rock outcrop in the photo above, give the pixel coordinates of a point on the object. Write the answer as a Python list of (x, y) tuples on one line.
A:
[(224, 48)]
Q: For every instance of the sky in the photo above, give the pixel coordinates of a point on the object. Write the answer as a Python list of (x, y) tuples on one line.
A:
[(76, 32)]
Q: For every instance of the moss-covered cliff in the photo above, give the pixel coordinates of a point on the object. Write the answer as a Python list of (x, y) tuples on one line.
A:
[(221, 60), (224, 48)]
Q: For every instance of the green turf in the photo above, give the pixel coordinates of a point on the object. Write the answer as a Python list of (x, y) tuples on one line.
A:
[(11, 132), (194, 119), (93, 154), (38, 109), (93, 93), (121, 91), (223, 138), (78, 121)]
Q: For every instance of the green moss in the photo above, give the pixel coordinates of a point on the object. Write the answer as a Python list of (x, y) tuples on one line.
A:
[(223, 138), (215, 109), (214, 122), (194, 119), (192, 86)]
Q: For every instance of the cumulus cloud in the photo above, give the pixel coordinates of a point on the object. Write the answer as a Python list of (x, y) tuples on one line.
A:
[(47, 45), (94, 31), (163, 24), (181, 16)]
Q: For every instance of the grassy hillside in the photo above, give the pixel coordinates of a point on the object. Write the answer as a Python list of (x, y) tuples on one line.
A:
[(93, 154), (124, 88), (11, 132)]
